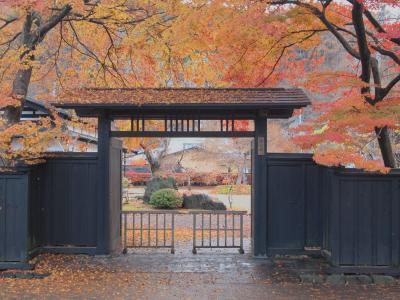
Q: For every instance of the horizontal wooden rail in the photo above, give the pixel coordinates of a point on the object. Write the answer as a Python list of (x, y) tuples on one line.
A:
[(183, 134)]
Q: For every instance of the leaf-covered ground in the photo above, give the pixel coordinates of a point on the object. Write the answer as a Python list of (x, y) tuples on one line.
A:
[(184, 276), (157, 274)]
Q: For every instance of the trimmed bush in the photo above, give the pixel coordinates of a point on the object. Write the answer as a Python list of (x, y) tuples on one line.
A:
[(202, 201), (156, 184), (166, 198)]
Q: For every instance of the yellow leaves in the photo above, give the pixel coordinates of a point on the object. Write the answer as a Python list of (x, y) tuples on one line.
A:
[(321, 130), (27, 141)]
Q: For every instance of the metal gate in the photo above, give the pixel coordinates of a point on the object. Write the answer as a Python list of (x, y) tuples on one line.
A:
[(156, 229), (148, 229), (218, 229)]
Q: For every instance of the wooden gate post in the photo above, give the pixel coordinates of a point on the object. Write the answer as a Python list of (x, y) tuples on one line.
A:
[(103, 224), (259, 208)]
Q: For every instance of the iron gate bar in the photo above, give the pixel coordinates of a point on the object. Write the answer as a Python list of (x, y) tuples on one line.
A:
[(218, 229), (126, 222), (149, 229)]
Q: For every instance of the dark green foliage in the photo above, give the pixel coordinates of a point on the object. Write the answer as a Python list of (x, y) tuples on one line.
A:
[(166, 198), (158, 183), (202, 201)]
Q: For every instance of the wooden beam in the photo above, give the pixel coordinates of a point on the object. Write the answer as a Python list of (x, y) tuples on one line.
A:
[(182, 134), (260, 201)]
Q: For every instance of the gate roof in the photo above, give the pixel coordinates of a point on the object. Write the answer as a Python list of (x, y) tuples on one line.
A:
[(220, 101)]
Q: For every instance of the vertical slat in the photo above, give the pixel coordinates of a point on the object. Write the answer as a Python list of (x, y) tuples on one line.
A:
[(226, 224), (141, 229), (210, 230), (156, 230), (125, 229), (131, 123), (134, 229), (187, 125), (165, 124), (217, 230), (233, 124), (148, 229), (137, 124), (172, 232), (198, 124), (143, 129), (233, 230), (164, 230), (194, 232), (241, 232), (202, 230)]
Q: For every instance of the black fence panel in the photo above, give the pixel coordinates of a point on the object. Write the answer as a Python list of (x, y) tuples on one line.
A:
[(36, 188), (294, 203), (69, 201), (363, 219), (13, 217)]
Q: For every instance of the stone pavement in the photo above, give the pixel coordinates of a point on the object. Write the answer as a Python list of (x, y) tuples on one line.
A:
[(216, 274)]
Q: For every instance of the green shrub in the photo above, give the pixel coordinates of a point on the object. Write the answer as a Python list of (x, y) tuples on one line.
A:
[(158, 183), (166, 198)]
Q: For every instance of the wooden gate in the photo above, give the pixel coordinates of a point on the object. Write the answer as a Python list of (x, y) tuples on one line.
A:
[(13, 218)]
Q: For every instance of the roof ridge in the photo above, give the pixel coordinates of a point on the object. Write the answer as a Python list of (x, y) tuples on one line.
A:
[(190, 88)]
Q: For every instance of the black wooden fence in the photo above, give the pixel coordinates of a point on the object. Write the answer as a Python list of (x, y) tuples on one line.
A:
[(353, 217), (294, 203), (362, 218), (68, 186), (49, 207), (13, 219)]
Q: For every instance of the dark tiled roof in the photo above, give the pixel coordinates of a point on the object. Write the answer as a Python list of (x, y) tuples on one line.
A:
[(183, 96)]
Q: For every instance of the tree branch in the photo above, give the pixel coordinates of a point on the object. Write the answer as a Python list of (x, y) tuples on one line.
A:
[(7, 22), (390, 85), (320, 15), (281, 55), (51, 23)]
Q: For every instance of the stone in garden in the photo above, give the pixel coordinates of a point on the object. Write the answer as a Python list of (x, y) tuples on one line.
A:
[(202, 201), (382, 279), (158, 183), (311, 278), (358, 279), (336, 279)]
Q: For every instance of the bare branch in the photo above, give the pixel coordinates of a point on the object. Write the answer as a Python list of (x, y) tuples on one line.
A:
[(7, 22), (51, 23), (321, 16), (281, 55), (11, 40), (390, 86)]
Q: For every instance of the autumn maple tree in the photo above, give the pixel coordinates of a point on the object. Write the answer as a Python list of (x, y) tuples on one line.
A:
[(366, 94), (285, 42), (50, 45), (368, 103)]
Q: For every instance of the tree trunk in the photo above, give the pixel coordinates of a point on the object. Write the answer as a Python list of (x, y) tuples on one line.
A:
[(154, 165), (12, 114), (385, 146)]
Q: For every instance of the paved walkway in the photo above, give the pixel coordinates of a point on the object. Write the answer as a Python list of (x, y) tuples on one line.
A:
[(208, 275)]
